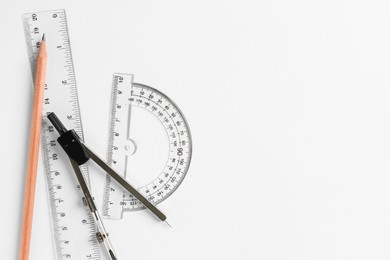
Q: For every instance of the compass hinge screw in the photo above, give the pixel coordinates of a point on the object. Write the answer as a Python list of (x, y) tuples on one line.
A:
[(85, 201), (99, 237)]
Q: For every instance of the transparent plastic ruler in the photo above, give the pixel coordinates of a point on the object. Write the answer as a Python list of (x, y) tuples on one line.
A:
[(72, 224), (149, 144)]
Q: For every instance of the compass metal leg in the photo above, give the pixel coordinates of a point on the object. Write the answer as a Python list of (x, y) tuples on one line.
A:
[(101, 234), (125, 184)]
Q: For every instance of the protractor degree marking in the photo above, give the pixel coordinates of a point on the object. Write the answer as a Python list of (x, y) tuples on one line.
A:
[(177, 130), (166, 112)]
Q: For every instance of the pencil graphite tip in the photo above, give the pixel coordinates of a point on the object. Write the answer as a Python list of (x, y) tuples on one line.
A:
[(43, 37)]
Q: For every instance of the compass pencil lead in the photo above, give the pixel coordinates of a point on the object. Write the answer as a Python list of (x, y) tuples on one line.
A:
[(168, 224), (43, 37)]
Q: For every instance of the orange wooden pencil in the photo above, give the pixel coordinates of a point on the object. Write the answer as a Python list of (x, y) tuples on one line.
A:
[(33, 152)]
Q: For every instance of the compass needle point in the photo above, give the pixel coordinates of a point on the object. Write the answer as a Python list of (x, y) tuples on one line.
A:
[(168, 224), (160, 143)]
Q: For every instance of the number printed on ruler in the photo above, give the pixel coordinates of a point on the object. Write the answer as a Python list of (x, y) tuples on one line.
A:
[(149, 144), (72, 224)]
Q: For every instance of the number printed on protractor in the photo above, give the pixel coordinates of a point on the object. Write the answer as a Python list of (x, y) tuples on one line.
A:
[(149, 144)]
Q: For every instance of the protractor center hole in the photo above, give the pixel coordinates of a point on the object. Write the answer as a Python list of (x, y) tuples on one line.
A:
[(151, 142), (130, 147)]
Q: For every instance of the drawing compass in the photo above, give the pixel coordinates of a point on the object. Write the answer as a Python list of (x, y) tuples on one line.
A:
[(79, 154), (149, 145)]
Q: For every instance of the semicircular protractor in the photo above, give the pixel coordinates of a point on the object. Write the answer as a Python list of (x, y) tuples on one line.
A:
[(149, 144)]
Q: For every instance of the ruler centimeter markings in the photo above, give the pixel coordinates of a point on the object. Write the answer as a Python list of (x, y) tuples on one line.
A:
[(117, 124), (74, 230)]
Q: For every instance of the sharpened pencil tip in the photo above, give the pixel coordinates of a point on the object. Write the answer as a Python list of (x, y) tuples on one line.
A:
[(43, 37)]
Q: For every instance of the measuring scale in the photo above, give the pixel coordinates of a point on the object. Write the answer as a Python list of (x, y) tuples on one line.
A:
[(149, 143), (74, 230)]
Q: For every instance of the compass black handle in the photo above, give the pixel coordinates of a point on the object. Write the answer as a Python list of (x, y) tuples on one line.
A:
[(69, 141), (57, 123)]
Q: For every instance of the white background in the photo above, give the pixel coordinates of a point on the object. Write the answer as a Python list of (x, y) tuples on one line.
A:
[(288, 103)]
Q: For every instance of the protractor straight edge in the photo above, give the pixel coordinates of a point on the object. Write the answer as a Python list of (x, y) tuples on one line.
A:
[(149, 144), (74, 231)]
